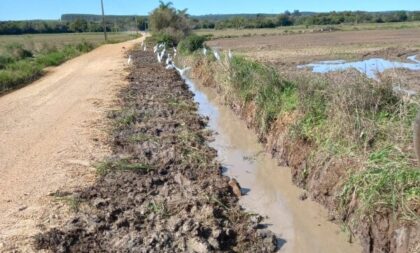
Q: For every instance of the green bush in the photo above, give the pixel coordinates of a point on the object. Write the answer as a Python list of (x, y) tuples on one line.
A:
[(84, 46), (165, 38), (191, 43), (17, 51), (20, 67), (4, 60), (18, 73)]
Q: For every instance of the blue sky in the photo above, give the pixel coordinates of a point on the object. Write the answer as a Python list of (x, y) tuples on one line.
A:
[(52, 9)]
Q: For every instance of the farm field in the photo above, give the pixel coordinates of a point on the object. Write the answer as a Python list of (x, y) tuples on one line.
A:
[(301, 48), (38, 41), (286, 52), (297, 29)]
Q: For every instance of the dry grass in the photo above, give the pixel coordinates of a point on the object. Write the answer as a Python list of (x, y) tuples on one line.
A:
[(37, 42), (234, 33)]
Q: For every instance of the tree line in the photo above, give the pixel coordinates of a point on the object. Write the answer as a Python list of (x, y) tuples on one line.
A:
[(92, 23), (78, 25), (297, 18)]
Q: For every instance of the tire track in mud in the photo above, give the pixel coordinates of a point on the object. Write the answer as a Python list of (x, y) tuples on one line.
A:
[(162, 190)]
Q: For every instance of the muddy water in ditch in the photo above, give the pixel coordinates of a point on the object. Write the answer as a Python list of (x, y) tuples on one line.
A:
[(301, 225)]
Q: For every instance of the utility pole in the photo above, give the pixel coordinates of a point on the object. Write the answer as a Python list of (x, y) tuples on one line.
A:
[(103, 20)]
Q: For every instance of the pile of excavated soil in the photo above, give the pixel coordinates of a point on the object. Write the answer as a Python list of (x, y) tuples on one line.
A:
[(162, 191)]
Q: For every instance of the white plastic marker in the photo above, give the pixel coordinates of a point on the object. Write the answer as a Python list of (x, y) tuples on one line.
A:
[(204, 51), (130, 60)]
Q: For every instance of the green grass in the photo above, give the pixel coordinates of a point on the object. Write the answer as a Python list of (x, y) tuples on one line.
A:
[(123, 164), (255, 82), (23, 57), (389, 182)]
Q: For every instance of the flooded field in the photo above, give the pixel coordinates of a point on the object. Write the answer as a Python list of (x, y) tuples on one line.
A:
[(369, 67)]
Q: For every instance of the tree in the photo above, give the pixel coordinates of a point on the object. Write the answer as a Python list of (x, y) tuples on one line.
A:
[(80, 25), (167, 22), (284, 20)]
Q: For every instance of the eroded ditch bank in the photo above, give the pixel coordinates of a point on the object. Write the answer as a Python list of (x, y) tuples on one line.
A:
[(268, 189), (162, 191), (371, 191)]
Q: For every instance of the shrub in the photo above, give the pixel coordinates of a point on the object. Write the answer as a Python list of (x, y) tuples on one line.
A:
[(20, 68), (84, 46), (165, 38), (191, 43), (17, 52), (4, 60)]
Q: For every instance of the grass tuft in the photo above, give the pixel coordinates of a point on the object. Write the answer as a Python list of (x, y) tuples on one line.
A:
[(105, 167)]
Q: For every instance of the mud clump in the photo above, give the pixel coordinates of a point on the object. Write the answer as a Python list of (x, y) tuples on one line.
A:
[(163, 190)]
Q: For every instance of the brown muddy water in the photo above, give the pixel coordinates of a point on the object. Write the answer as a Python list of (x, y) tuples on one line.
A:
[(303, 226)]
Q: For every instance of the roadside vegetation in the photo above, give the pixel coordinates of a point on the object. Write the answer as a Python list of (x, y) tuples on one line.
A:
[(23, 59), (348, 142)]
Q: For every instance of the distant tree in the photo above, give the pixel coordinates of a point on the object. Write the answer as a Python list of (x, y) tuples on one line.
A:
[(284, 20), (401, 16), (80, 25)]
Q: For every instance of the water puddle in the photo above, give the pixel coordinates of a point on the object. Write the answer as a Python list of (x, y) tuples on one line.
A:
[(301, 225), (369, 67)]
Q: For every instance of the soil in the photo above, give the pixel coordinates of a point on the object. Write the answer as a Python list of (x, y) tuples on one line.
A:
[(162, 189), (51, 133), (305, 48)]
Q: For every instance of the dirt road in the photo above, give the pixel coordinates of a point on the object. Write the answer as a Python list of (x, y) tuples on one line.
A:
[(50, 136)]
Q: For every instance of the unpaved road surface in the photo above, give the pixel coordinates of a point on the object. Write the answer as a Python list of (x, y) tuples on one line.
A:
[(50, 136)]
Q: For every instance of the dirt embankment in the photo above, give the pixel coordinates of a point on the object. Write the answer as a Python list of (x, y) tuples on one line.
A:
[(322, 178), (162, 190)]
